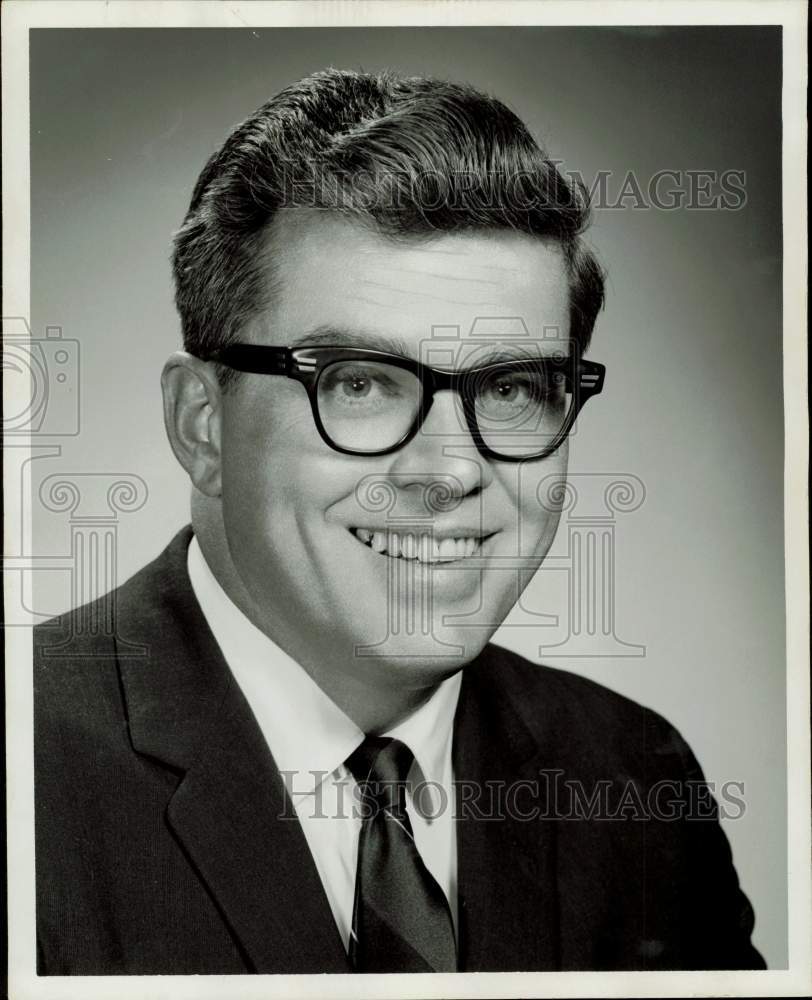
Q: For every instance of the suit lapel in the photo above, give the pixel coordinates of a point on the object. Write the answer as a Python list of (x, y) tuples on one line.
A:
[(231, 814), (230, 811), (508, 900)]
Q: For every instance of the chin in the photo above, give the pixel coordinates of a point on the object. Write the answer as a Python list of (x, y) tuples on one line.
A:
[(424, 658)]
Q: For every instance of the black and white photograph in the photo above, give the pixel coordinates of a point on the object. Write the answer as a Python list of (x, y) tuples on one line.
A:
[(406, 530)]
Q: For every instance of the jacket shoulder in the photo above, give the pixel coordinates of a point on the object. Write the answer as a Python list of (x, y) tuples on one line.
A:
[(91, 628), (75, 653), (595, 720)]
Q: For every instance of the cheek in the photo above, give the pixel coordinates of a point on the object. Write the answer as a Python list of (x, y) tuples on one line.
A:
[(268, 440), (278, 488), (536, 490)]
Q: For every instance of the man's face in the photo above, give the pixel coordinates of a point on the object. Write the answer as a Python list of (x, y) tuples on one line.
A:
[(305, 524)]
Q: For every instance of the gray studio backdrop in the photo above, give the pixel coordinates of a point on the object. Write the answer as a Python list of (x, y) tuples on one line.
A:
[(666, 579)]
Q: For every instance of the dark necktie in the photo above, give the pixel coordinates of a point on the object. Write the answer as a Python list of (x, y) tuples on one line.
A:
[(401, 921)]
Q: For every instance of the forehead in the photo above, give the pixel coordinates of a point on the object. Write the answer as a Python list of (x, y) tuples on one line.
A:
[(334, 278)]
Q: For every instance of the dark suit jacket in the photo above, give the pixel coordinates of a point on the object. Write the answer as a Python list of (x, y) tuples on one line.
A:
[(160, 847)]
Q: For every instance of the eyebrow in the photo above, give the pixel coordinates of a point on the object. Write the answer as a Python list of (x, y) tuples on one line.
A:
[(329, 335), (497, 356), (339, 336)]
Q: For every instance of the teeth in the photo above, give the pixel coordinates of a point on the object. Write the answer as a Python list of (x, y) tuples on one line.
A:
[(393, 544), (421, 547), (448, 550)]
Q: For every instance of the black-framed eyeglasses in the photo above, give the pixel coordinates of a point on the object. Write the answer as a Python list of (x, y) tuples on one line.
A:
[(368, 402)]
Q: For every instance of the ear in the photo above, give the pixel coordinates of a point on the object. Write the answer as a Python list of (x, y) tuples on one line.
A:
[(193, 416)]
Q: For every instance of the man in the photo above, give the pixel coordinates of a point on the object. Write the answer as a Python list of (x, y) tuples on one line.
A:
[(294, 749)]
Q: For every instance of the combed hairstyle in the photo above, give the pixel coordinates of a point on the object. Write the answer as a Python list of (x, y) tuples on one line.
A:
[(406, 157)]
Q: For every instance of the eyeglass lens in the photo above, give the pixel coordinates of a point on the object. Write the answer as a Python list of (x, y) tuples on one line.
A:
[(368, 406)]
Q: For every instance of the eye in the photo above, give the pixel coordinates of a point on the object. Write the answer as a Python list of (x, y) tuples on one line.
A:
[(511, 388), (355, 385), (358, 381), (366, 387), (506, 389)]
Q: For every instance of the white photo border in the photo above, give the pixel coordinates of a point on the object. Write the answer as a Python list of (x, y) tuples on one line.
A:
[(18, 16)]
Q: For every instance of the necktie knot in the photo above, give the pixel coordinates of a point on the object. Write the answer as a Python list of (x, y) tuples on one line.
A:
[(380, 766)]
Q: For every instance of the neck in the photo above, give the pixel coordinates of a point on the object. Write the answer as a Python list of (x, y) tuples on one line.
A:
[(373, 707)]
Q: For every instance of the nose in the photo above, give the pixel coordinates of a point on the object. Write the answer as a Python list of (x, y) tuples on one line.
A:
[(443, 452)]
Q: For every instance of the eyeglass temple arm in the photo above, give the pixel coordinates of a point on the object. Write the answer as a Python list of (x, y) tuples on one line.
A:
[(256, 358)]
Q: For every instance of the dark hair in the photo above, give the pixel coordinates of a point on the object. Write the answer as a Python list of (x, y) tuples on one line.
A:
[(408, 157)]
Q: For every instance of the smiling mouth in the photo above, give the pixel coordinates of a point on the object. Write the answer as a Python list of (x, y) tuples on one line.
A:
[(420, 547)]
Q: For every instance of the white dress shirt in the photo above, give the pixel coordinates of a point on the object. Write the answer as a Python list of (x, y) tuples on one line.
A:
[(310, 738)]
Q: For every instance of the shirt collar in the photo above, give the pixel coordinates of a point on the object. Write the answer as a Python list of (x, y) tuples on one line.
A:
[(308, 734), (427, 731)]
